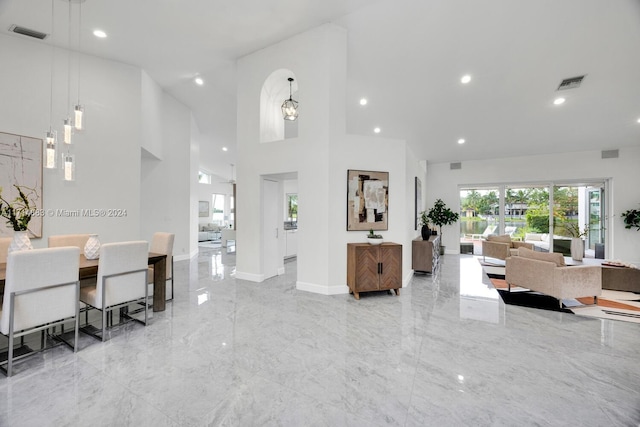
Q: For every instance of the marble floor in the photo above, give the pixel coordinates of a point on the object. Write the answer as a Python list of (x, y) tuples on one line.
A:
[(226, 352)]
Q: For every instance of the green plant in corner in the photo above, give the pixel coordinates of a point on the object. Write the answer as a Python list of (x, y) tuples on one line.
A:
[(18, 214), (441, 215), (631, 218)]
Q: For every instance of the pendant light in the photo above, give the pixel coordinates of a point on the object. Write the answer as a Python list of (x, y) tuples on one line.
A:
[(79, 110), (68, 167), (68, 123), (290, 106), (50, 147)]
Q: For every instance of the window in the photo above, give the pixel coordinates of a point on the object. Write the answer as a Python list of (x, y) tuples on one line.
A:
[(218, 209), (204, 178), (292, 207)]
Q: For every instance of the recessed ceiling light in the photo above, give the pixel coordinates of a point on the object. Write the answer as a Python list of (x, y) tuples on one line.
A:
[(363, 101), (638, 120), (198, 81), (559, 101), (225, 149), (99, 33), (376, 130), (461, 141), (465, 79)]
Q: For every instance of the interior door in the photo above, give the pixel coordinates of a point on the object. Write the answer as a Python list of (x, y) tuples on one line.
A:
[(270, 231)]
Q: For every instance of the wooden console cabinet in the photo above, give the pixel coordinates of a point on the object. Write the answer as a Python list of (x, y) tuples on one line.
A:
[(374, 267), (425, 254)]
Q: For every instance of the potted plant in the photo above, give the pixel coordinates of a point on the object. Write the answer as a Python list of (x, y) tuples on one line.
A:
[(577, 239), (425, 232), (18, 214), (631, 219), (374, 239), (441, 215)]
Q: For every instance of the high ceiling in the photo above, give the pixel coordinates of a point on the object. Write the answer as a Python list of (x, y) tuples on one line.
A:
[(405, 56)]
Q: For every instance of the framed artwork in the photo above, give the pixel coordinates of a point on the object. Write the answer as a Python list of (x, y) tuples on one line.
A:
[(367, 200), (21, 165), (418, 203), (203, 208)]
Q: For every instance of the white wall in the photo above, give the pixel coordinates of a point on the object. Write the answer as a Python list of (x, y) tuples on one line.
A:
[(165, 195), (321, 155), (109, 175), (624, 192), (110, 142)]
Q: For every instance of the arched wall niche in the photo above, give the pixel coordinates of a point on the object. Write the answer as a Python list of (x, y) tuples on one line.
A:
[(275, 90)]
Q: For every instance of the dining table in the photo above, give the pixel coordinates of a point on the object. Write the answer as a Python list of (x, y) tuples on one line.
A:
[(89, 268)]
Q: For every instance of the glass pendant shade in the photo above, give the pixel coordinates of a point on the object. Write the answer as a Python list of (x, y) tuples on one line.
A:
[(67, 131), (78, 117), (290, 109), (69, 167), (290, 106), (50, 151)]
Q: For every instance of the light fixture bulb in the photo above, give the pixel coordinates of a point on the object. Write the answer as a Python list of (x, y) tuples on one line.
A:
[(363, 101), (69, 167), (376, 130), (99, 33), (461, 141), (50, 151), (558, 101), (78, 117), (465, 79), (67, 131), (225, 149), (198, 81)]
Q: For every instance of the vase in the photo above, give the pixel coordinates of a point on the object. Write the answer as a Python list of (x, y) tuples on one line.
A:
[(92, 247), (425, 232), (577, 248), (20, 242)]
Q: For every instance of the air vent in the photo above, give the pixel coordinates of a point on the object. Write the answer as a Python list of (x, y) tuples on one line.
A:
[(572, 83), (457, 165), (28, 32), (610, 154)]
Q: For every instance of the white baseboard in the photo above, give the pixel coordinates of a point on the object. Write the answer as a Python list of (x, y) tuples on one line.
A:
[(250, 276), (185, 257), (407, 279), (323, 290)]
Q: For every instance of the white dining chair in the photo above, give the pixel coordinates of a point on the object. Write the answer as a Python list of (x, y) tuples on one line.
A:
[(41, 291), (162, 243), (77, 240), (121, 280)]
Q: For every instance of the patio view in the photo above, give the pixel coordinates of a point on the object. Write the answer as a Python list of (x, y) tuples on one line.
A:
[(524, 213)]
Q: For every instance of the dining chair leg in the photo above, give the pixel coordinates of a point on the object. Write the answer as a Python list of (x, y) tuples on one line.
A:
[(104, 323), (10, 354)]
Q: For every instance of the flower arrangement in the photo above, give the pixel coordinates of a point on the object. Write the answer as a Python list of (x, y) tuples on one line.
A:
[(18, 214), (573, 230), (372, 235)]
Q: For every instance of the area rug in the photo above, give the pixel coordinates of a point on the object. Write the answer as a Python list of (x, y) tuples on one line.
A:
[(615, 305)]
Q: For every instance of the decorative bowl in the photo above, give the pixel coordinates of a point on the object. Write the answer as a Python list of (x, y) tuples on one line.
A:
[(375, 241)]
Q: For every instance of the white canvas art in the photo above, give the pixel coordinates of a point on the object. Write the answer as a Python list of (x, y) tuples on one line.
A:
[(21, 164)]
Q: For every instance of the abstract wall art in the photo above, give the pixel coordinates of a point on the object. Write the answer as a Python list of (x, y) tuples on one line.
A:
[(367, 200)]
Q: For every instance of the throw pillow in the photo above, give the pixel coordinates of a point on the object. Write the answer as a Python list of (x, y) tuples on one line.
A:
[(554, 257)]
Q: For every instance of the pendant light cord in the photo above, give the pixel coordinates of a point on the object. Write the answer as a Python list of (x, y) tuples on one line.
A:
[(79, 39), (69, 62), (51, 73)]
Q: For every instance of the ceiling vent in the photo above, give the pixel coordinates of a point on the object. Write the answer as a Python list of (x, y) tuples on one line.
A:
[(27, 32), (457, 165), (572, 83), (610, 154)]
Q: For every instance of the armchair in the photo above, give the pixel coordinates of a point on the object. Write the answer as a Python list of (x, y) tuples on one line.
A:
[(502, 247)]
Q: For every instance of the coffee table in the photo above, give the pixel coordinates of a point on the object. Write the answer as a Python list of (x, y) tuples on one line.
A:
[(613, 277)]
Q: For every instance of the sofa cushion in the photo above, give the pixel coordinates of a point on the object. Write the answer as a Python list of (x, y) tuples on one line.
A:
[(554, 257), (532, 237), (505, 238)]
